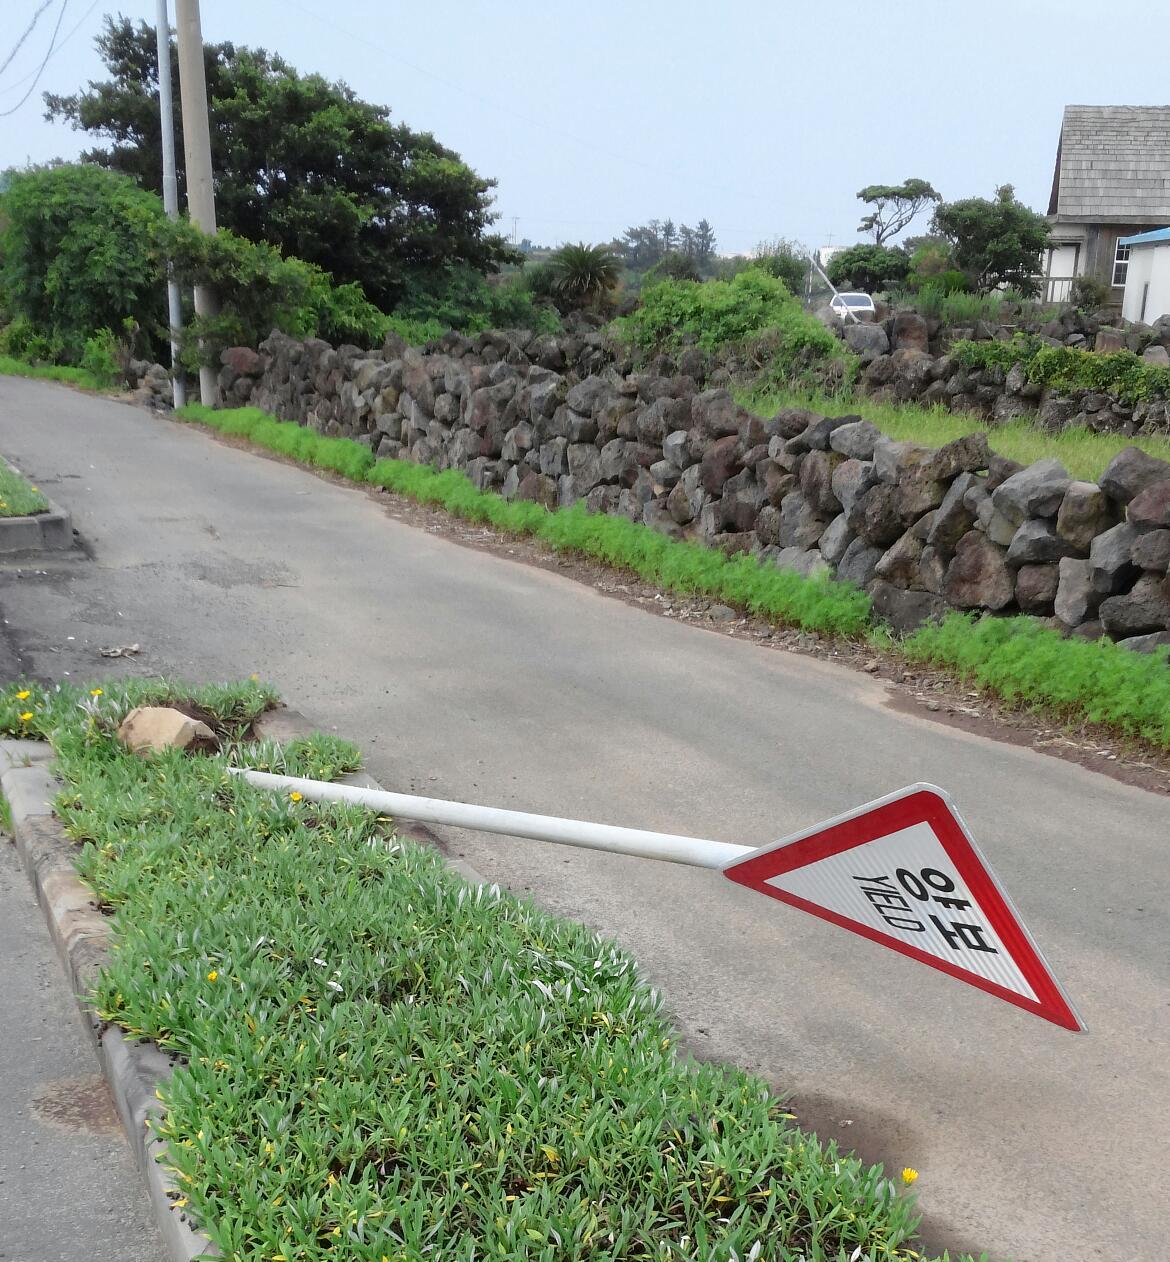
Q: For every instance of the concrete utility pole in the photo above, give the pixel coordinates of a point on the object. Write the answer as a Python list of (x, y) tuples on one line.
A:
[(170, 191), (197, 155)]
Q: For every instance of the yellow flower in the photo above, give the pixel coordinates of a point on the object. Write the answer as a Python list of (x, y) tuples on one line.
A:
[(95, 692), (35, 488), (24, 718), (294, 796), (909, 1174), (23, 696), (212, 976)]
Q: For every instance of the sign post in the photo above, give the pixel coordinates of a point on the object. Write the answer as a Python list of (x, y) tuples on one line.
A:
[(904, 872)]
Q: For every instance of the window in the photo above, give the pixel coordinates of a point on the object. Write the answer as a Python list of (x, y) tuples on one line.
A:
[(1120, 264)]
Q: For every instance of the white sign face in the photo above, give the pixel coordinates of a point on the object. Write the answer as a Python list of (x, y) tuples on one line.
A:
[(904, 872)]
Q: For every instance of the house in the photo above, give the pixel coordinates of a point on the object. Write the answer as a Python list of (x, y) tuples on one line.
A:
[(1112, 182), (1147, 277)]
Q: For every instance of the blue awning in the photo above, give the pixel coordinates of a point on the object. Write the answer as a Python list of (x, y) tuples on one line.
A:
[(1147, 238)]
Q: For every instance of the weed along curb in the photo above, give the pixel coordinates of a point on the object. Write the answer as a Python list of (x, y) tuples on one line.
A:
[(51, 530), (134, 1070), (82, 937)]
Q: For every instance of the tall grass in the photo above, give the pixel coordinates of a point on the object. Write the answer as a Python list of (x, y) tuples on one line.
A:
[(18, 497), (10, 367), (1082, 452)]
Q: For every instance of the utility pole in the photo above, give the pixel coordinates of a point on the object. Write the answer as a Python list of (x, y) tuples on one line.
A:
[(197, 156), (170, 191)]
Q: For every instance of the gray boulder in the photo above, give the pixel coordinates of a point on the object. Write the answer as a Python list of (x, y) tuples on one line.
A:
[(836, 539), (1131, 471), (586, 394), (953, 518), (816, 481), (911, 332), (676, 449), (978, 577), (866, 341), (851, 479), (967, 454), (1151, 551), (1036, 588), (875, 516), (1150, 507), (1036, 491), (1144, 609), (899, 563), (1111, 564), (1084, 513), (800, 527), (905, 611), (1148, 643), (859, 564), (721, 461), (715, 413), (1036, 541), (856, 440), (1076, 598), (932, 569), (554, 461), (584, 467), (805, 561)]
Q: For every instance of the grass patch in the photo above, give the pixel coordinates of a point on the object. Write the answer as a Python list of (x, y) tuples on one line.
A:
[(18, 497), (1082, 452), (10, 367), (1016, 659), (5, 815), (383, 1062), (1078, 681)]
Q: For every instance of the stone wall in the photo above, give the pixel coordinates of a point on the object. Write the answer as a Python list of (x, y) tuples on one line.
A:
[(904, 358), (555, 420)]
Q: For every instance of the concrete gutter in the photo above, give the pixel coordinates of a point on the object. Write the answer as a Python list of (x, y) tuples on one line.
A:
[(51, 530), (135, 1071)]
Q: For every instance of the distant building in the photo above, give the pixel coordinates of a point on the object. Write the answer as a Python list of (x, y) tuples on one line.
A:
[(1147, 278), (1111, 182)]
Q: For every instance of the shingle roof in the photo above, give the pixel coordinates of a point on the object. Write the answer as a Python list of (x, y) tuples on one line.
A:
[(1113, 164)]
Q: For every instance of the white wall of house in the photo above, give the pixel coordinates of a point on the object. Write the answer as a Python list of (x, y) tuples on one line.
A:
[(1147, 283)]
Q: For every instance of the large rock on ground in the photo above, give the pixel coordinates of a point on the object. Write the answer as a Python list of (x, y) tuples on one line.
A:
[(899, 563), (866, 341), (978, 577), (1144, 609), (859, 564), (800, 527), (1151, 551), (715, 413), (967, 454), (851, 479), (875, 516), (856, 440), (1035, 541), (836, 539), (905, 611), (150, 729), (1130, 472), (1036, 491), (816, 481), (910, 332), (953, 518)]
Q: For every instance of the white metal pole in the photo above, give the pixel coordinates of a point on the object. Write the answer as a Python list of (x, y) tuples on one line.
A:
[(197, 159), (170, 191), (694, 851)]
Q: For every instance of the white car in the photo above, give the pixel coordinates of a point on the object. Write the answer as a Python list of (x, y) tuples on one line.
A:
[(853, 306)]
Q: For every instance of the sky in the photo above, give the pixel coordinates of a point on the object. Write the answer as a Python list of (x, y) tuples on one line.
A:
[(764, 116)]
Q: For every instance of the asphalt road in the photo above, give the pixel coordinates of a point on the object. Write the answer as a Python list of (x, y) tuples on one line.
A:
[(466, 675)]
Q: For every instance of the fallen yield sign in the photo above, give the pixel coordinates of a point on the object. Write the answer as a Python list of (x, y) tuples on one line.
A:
[(903, 871)]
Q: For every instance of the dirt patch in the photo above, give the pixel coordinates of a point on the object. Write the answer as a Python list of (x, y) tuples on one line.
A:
[(931, 694)]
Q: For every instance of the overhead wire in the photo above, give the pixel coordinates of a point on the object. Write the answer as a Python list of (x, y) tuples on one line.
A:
[(44, 63), (36, 17), (11, 87)]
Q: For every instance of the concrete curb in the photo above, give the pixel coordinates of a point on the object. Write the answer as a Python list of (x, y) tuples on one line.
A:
[(39, 532), (81, 934)]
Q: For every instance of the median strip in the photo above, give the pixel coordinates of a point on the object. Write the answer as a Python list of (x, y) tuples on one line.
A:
[(380, 1061)]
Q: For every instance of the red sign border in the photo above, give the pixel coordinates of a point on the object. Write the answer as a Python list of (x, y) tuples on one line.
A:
[(916, 804)]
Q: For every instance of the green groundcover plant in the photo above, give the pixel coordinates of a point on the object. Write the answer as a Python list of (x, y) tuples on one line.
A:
[(1017, 659), (380, 1061), (18, 497)]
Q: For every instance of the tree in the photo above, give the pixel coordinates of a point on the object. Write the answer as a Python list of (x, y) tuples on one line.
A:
[(786, 260), (996, 242), (894, 206), (585, 273), (704, 243), (78, 253), (300, 162), (868, 267)]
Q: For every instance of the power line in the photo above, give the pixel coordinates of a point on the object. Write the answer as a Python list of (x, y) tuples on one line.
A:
[(36, 17), (60, 44), (41, 68)]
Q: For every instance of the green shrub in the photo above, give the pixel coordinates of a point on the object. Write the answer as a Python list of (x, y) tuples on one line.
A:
[(752, 313), (461, 299), (78, 252), (585, 274), (21, 340), (1089, 293), (102, 358), (1066, 368)]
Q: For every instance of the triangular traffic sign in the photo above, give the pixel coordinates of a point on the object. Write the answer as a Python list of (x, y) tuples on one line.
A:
[(903, 871)]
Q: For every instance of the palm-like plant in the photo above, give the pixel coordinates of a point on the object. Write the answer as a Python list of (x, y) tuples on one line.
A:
[(584, 273)]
